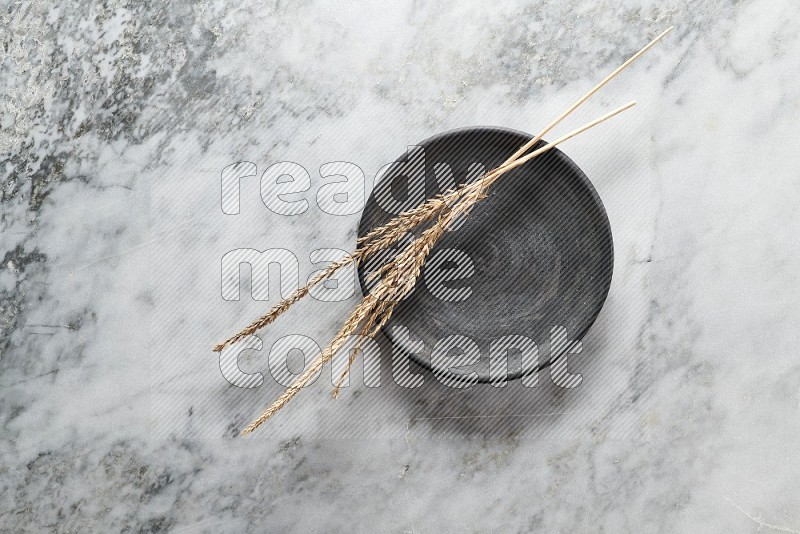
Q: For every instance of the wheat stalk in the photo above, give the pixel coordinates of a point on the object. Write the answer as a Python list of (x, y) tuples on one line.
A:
[(361, 312), (371, 327), (397, 278)]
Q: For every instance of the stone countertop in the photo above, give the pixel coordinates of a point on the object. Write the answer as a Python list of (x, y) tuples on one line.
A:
[(117, 122)]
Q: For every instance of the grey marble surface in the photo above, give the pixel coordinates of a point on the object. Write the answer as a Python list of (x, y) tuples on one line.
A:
[(117, 120)]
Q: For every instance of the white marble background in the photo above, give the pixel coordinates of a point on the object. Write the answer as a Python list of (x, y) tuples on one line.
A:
[(116, 120)]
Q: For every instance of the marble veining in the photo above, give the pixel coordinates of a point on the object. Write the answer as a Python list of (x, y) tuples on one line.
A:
[(116, 121)]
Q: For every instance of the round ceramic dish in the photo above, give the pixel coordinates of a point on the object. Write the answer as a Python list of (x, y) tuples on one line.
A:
[(539, 247)]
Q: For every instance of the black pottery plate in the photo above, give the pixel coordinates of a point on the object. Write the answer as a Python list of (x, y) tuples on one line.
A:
[(539, 246)]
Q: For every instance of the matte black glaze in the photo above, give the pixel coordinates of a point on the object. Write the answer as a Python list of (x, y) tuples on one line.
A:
[(540, 243)]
